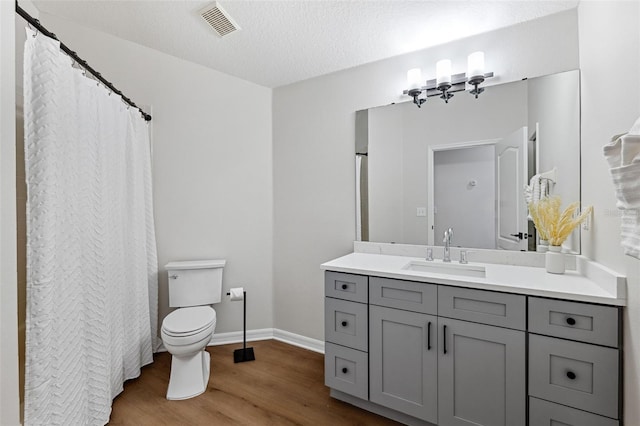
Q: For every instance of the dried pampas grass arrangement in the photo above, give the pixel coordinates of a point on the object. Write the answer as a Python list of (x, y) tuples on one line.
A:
[(553, 225)]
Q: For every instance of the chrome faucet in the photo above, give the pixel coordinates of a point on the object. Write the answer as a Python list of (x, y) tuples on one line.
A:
[(447, 245)]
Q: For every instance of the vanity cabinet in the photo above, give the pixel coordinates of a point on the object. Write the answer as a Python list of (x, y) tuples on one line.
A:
[(431, 354)]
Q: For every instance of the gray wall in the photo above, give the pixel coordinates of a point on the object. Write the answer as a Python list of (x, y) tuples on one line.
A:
[(9, 400), (610, 34)]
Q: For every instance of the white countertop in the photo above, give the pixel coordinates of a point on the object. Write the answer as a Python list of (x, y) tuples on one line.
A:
[(529, 280)]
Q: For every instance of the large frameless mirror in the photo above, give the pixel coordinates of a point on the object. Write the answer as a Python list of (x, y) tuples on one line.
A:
[(464, 164)]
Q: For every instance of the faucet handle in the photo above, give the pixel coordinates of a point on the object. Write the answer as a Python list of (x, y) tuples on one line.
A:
[(463, 257), (447, 235), (429, 254)]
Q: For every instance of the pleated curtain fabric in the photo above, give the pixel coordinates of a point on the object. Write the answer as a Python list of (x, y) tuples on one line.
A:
[(91, 251)]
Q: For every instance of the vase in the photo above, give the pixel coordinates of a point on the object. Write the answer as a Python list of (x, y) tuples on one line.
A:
[(554, 260), (543, 246)]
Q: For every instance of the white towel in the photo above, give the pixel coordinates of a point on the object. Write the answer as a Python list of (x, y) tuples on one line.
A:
[(535, 190), (629, 230), (623, 156)]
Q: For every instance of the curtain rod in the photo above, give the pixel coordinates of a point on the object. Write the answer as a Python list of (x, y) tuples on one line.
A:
[(36, 23)]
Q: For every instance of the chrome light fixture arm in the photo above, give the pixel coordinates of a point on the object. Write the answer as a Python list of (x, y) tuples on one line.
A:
[(415, 94)]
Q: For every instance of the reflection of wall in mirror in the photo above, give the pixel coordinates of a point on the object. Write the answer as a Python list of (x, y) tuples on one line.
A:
[(362, 175), (386, 197), (554, 105)]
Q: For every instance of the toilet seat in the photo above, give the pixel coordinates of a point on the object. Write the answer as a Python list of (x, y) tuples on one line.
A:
[(186, 326)]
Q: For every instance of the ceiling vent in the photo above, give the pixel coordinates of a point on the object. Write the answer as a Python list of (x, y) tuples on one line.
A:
[(219, 19)]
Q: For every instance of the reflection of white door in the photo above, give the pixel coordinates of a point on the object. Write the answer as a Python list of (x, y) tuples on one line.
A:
[(511, 176)]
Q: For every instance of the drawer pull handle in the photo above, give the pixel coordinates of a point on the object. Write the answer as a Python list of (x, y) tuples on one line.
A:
[(571, 321), (444, 340), (571, 375), (344, 286), (344, 323), (344, 370), (429, 336)]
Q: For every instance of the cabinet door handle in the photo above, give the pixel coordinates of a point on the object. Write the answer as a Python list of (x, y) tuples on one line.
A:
[(344, 286), (571, 375), (429, 336), (344, 370), (444, 340), (570, 321), (344, 323)]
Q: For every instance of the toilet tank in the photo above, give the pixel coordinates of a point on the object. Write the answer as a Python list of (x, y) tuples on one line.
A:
[(195, 282)]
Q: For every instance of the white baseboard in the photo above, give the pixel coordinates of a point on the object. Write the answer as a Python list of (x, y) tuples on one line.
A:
[(264, 334), (236, 336), (299, 340)]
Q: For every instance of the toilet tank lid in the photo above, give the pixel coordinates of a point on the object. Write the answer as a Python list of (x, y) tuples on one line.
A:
[(196, 264)]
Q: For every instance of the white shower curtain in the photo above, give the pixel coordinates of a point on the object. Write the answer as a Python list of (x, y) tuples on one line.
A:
[(91, 253)]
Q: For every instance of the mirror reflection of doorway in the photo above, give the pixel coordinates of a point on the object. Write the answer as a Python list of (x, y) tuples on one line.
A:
[(464, 195), (478, 190)]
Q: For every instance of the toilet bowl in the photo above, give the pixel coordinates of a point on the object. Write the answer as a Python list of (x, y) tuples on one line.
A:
[(185, 333)]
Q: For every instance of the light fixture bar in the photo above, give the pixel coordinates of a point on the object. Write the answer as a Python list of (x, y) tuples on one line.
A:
[(456, 81)]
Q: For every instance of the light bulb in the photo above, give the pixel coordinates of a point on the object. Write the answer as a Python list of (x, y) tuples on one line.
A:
[(475, 65), (443, 73), (414, 79)]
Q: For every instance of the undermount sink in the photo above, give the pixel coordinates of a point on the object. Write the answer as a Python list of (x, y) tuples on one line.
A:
[(439, 267)]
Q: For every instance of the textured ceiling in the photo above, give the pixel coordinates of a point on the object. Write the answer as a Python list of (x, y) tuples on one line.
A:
[(282, 42)]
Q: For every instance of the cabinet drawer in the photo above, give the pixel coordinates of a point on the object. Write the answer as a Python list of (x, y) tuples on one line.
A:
[(346, 370), (346, 286), (545, 413), (406, 295), (575, 374), (345, 323), (576, 321), (486, 307)]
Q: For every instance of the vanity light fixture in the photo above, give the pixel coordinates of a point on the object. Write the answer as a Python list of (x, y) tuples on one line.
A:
[(445, 84)]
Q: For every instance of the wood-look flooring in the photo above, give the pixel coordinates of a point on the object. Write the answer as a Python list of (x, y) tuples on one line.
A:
[(283, 386)]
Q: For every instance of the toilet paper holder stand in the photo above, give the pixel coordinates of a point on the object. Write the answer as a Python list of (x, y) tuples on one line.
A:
[(244, 354)]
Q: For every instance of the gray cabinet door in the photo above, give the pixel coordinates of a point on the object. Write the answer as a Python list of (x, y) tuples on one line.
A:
[(403, 361), (481, 377)]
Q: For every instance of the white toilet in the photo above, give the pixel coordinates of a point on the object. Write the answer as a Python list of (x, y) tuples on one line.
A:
[(193, 287)]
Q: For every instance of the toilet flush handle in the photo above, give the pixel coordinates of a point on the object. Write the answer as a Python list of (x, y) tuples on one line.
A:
[(173, 277)]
